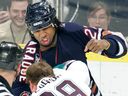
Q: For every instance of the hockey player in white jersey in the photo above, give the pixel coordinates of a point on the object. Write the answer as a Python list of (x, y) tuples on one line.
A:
[(68, 79)]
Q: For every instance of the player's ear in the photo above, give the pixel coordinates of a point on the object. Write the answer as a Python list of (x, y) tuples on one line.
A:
[(32, 86)]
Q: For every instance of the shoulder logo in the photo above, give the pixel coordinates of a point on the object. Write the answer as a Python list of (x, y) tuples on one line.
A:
[(25, 93)]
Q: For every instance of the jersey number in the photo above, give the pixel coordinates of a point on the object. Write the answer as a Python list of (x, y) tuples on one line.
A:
[(67, 88), (91, 34)]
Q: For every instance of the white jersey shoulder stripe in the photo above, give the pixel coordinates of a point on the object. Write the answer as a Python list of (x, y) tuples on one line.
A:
[(4, 91)]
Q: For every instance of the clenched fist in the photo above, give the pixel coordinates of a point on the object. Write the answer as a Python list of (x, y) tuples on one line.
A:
[(95, 45)]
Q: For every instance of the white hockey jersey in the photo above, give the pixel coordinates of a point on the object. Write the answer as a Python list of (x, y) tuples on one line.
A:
[(69, 81)]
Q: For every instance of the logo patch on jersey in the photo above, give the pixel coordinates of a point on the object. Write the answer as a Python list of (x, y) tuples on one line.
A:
[(37, 58), (25, 93)]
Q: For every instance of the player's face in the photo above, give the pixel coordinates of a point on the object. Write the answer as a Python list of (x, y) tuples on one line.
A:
[(18, 12), (45, 36), (99, 19)]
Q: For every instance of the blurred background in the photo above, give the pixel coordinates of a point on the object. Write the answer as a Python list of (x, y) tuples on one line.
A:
[(110, 74), (117, 8)]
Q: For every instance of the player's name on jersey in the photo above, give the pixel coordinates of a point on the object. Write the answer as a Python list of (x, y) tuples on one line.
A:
[(46, 81)]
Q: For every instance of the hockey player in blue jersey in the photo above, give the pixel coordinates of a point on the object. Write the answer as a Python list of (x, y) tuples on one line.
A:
[(57, 42)]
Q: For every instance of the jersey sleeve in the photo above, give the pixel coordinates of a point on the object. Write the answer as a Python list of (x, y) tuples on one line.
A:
[(83, 34), (4, 91), (20, 86), (118, 45), (78, 68)]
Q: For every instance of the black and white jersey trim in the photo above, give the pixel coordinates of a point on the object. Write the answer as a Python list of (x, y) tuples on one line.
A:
[(4, 91)]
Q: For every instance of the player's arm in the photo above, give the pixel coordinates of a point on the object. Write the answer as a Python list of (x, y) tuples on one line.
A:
[(118, 46), (109, 44), (78, 68)]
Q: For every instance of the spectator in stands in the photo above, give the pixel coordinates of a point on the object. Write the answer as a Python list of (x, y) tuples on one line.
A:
[(10, 56), (15, 30), (99, 16)]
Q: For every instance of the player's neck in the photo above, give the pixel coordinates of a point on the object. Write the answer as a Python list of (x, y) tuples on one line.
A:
[(9, 76)]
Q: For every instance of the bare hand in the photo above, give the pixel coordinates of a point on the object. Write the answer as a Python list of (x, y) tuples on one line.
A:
[(4, 16), (95, 45)]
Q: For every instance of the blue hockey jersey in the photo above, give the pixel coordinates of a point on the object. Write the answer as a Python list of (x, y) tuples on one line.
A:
[(71, 41)]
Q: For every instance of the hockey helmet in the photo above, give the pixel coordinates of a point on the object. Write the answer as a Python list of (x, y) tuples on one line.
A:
[(39, 15), (10, 55)]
